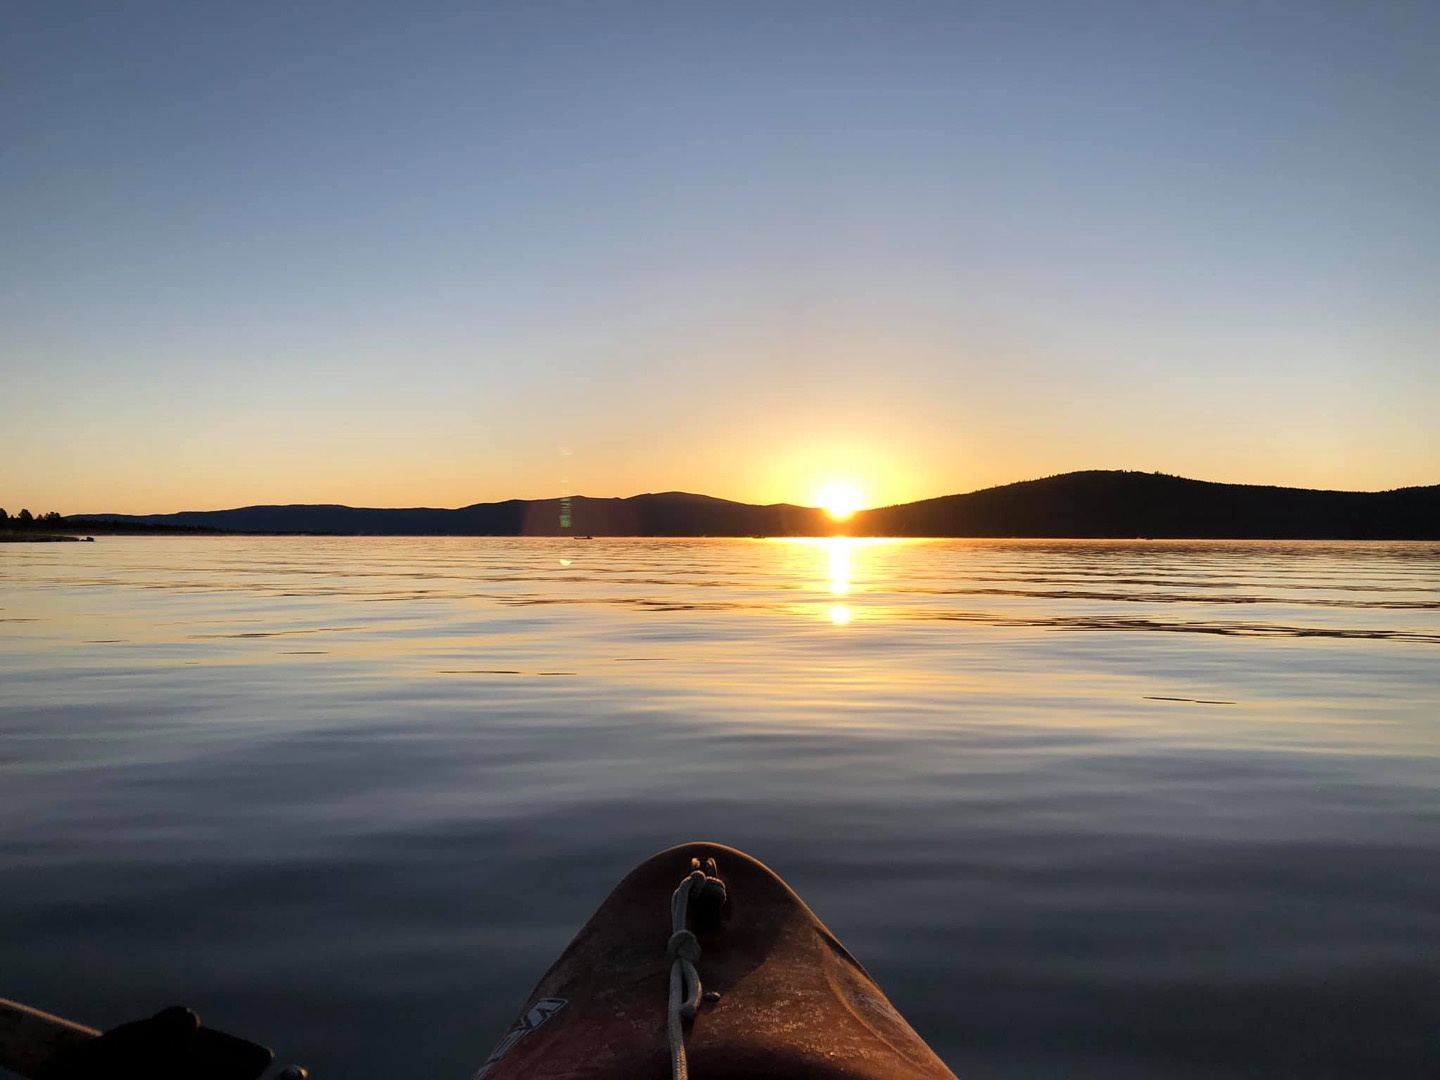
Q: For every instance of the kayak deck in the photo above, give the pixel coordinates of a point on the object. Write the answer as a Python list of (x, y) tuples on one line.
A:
[(782, 997)]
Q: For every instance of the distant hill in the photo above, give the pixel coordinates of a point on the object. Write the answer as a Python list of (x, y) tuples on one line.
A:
[(1130, 504), (672, 513), (1080, 504)]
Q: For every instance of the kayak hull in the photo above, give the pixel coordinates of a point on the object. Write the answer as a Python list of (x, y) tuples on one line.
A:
[(783, 998)]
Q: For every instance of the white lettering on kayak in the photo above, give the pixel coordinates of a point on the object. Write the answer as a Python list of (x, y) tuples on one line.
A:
[(529, 1020)]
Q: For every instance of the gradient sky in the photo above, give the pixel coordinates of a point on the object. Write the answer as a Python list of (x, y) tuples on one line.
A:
[(443, 253)]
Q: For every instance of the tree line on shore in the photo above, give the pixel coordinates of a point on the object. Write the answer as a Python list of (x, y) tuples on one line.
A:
[(26, 520)]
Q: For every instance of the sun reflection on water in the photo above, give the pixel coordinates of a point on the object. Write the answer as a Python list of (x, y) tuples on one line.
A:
[(840, 554), (839, 565)]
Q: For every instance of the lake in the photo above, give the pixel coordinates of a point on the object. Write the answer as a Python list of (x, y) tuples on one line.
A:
[(1083, 809)]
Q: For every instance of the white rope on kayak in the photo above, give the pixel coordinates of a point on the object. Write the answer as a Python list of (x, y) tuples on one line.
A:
[(684, 952)]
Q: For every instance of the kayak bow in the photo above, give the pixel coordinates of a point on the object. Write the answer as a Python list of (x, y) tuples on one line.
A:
[(774, 993)]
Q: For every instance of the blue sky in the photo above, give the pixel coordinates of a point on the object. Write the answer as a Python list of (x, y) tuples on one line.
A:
[(446, 253)]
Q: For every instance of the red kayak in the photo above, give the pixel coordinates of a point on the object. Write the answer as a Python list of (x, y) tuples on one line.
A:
[(704, 964)]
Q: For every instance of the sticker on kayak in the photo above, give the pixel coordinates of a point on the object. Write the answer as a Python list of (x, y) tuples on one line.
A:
[(529, 1020)]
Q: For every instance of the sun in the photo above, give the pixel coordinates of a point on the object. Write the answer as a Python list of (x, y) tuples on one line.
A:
[(839, 500)]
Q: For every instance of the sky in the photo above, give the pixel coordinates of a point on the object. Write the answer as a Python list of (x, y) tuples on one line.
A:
[(444, 253)]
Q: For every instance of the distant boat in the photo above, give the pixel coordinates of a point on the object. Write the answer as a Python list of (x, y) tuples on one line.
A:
[(584, 538)]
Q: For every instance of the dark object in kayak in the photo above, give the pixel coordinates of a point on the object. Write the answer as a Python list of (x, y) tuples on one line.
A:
[(171, 1045), (781, 996)]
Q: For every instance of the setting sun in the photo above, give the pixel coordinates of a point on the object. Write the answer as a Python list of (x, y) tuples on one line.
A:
[(839, 500)]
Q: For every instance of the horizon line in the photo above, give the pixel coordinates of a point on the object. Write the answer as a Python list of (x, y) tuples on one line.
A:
[(741, 502)]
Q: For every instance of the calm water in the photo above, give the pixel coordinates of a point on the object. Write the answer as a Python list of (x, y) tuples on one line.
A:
[(1084, 809)]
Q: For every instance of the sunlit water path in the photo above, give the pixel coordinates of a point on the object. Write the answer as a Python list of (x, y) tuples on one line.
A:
[(1092, 809)]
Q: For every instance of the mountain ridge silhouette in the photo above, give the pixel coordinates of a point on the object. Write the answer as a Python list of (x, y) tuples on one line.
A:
[(1093, 504)]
